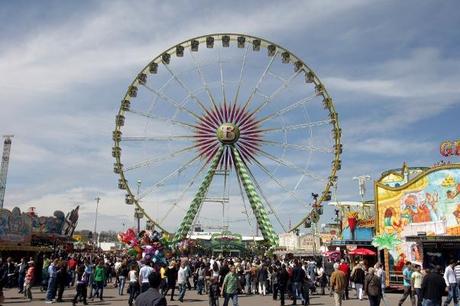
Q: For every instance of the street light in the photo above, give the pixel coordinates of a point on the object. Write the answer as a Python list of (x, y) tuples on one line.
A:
[(137, 212), (95, 221)]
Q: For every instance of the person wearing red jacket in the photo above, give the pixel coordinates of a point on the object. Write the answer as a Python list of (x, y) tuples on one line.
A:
[(345, 268), (29, 280)]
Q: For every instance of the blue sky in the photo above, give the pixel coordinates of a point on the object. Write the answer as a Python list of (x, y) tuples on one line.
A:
[(392, 67)]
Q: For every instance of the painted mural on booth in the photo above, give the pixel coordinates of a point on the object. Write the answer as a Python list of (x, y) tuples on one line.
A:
[(430, 204)]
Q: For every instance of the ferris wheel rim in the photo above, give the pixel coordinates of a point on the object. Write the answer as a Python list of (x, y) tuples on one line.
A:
[(264, 43)]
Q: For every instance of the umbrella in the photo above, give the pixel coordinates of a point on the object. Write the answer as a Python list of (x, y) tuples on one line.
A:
[(362, 251)]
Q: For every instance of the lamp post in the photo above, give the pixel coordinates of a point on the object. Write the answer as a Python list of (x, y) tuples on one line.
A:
[(362, 188), (95, 221), (137, 212)]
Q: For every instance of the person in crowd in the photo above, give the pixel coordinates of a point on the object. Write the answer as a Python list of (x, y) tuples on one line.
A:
[(254, 278), (373, 288), (223, 270), (3, 278), (29, 279), (283, 279), (433, 286), (322, 280), (82, 285), (407, 276), (133, 288), (451, 283), (182, 276), (230, 287), (345, 268), (164, 280), (357, 277), (457, 273), (11, 268), (213, 292), (171, 275), (144, 273), (381, 275), (262, 277), (62, 280), (122, 274), (22, 269), (247, 277), (89, 270), (152, 296), (338, 284), (298, 278), (416, 284), (52, 275), (200, 278), (274, 277), (100, 277), (71, 268)]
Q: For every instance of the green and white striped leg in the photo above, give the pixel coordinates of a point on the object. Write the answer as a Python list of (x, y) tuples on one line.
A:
[(256, 204), (186, 224)]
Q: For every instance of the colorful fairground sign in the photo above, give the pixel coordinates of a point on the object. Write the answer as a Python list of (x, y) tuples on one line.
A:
[(450, 148)]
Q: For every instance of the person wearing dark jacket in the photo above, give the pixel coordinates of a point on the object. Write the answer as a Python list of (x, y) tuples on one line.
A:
[(357, 276), (61, 280), (171, 275), (152, 296), (262, 277), (298, 278), (283, 278), (373, 288), (433, 286)]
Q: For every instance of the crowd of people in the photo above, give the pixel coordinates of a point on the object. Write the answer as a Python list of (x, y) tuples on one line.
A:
[(294, 279)]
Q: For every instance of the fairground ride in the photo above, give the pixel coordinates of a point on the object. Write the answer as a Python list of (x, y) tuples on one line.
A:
[(231, 119)]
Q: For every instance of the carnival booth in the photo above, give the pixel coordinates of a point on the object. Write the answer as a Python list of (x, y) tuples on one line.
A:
[(357, 228), (418, 216)]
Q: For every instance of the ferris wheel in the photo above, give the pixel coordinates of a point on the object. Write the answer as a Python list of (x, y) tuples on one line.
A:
[(228, 119)]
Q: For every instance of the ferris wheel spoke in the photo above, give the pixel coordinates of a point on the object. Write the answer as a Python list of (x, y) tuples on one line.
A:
[(269, 99), (221, 73), (277, 181), (185, 87), (182, 194), (152, 161), (290, 165), (202, 78), (168, 120), (289, 108), (297, 126), (156, 97), (240, 81), (308, 148), (171, 101), (262, 77), (170, 175), (158, 138)]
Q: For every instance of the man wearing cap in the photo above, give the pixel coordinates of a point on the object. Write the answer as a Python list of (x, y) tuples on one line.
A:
[(338, 284), (152, 296)]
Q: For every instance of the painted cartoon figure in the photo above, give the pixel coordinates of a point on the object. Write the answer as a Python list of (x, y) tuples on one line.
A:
[(432, 201), (456, 213)]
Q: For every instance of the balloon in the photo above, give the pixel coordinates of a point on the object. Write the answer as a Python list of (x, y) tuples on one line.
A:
[(132, 252)]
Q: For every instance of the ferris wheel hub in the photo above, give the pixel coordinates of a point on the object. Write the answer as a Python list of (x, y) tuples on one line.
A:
[(228, 133)]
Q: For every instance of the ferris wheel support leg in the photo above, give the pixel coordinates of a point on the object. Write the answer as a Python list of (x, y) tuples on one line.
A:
[(186, 224), (256, 204)]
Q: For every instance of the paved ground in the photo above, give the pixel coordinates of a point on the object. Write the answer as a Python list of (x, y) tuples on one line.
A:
[(191, 298)]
